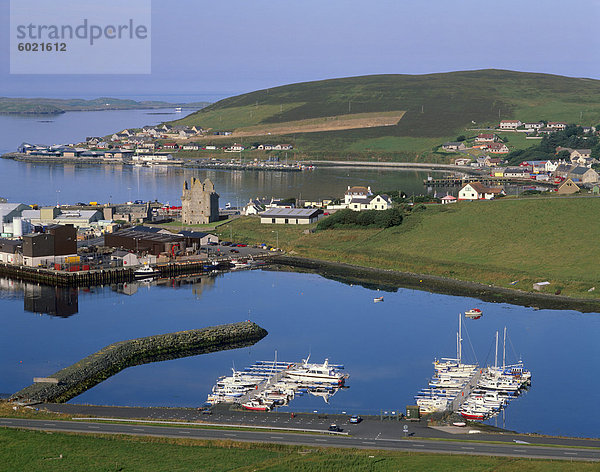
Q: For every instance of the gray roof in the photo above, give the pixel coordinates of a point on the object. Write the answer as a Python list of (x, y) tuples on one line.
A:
[(580, 170), (31, 214), (291, 212), (453, 143), (194, 234), (10, 245)]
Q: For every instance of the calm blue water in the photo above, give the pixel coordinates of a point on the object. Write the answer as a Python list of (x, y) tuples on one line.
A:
[(387, 348), (74, 183)]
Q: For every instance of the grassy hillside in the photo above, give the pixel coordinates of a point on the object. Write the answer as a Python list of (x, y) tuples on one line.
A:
[(436, 106), (492, 242), (38, 450)]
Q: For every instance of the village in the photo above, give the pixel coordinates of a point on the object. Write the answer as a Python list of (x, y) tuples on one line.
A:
[(570, 171)]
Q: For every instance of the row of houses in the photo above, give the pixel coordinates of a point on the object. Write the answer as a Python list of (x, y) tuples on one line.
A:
[(490, 146), (539, 127)]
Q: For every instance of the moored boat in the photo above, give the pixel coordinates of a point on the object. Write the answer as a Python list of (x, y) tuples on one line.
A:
[(474, 313), (145, 272), (255, 405)]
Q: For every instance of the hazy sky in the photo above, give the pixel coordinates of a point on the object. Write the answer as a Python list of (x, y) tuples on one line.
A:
[(233, 46)]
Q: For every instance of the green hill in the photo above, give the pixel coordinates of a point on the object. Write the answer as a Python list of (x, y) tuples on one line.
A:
[(436, 106)]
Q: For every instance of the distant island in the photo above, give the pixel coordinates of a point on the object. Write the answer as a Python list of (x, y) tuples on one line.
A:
[(55, 106)]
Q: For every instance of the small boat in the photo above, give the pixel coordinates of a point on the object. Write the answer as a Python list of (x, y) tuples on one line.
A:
[(255, 405), (146, 272), (178, 110), (239, 264), (377, 299), (474, 313)]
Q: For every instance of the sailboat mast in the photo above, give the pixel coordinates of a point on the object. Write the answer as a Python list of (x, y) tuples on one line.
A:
[(504, 350), (460, 338), (496, 357)]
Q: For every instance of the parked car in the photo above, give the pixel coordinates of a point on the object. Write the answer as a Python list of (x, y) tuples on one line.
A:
[(241, 245), (225, 243), (355, 419), (234, 250)]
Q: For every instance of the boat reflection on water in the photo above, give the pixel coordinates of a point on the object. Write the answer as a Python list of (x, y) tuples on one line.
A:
[(266, 385)]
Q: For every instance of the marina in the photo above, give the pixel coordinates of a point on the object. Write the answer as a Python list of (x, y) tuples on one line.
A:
[(42, 337), (467, 389), (265, 385)]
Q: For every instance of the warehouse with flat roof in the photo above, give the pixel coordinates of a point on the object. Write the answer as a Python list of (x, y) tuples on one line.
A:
[(291, 216)]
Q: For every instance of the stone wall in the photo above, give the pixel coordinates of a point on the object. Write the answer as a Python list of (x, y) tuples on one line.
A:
[(112, 359)]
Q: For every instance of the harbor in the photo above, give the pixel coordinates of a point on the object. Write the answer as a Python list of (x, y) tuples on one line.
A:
[(265, 385), (474, 392)]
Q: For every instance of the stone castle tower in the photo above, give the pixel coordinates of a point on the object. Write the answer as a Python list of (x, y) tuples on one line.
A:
[(199, 202)]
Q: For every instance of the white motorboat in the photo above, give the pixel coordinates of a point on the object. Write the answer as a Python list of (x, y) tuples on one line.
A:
[(145, 272), (313, 373), (474, 313)]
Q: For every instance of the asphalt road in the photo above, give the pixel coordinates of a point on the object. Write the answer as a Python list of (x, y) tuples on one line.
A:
[(316, 440)]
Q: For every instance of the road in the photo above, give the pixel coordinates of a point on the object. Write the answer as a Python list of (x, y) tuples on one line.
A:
[(314, 440)]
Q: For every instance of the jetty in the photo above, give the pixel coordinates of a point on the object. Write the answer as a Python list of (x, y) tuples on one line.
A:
[(110, 275), (458, 181), (108, 361)]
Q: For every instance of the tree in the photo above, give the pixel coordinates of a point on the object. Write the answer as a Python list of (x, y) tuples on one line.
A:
[(460, 138)]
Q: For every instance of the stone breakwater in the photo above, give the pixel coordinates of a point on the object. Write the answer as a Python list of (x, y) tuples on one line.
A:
[(108, 361)]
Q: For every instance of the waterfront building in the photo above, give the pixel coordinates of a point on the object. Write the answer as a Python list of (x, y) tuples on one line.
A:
[(57, 244), (199, 202)]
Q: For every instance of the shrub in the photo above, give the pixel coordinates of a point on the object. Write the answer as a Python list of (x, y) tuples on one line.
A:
[(364, 219)]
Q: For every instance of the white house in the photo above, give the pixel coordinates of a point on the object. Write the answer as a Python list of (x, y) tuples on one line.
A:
[(372, 202), (454, 146), (558, 125), (356, 192), (533, 126), (485, 138), (510, 124), (448, 199), (478, 191)]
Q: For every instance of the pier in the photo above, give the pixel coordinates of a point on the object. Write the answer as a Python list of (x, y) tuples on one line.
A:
[(71, 381), (485, 179), (109, 275), (466, 391), (272, 374)]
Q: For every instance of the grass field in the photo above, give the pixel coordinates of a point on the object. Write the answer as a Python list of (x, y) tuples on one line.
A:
[(491, 242), (437, 106), (35, 451)]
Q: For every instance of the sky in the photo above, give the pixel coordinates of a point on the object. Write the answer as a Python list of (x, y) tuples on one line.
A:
[(211, 50)]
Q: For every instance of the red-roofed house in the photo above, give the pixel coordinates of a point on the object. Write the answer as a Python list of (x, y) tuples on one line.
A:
[(485, 138), (498, 148)]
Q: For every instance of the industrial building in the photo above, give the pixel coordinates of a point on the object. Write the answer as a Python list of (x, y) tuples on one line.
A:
[(58, 243), (143, 241)]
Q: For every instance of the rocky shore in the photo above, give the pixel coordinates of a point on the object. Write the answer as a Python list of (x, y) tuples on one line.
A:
[(391, 280)]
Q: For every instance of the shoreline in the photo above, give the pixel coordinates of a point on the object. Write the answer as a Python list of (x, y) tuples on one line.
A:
[(370, 277), (423, 166)]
